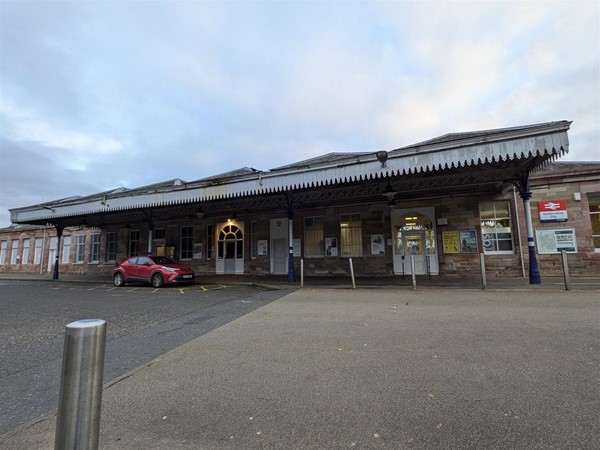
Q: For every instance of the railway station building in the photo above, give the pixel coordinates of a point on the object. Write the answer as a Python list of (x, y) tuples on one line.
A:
[(435, 208)]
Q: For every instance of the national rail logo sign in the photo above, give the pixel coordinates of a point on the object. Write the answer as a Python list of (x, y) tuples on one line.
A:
[(553, 211)]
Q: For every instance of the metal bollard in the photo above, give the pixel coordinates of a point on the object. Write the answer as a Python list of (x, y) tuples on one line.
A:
[(565, 265), (78, 419), (352, 274), (302, 273), (483, 275), (412, 271)]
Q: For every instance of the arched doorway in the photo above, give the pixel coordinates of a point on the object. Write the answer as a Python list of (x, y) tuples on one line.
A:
[(414, 235), (230, 249)]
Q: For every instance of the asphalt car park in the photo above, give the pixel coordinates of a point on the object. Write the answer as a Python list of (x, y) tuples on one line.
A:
[(143, 323)]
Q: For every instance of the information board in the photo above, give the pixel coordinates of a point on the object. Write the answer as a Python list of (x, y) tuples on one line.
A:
[(555, 241)]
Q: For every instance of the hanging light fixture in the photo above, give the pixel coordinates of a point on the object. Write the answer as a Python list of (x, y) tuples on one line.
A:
[(389, 193)]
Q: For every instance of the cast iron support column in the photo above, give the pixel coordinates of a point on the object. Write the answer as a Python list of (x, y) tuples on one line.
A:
[(534, 271), (59, 230)]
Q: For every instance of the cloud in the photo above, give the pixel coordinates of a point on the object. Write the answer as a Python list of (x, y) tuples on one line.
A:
[(130, 93)]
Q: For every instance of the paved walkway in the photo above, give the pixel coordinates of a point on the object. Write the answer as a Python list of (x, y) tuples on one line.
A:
[(388, 368)]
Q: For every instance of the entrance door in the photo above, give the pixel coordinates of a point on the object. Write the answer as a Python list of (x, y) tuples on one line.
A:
[(280, 253), (280, 249), (413, 243), (230, 248), (414, 235)]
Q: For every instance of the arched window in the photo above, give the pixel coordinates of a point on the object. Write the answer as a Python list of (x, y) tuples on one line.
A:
[(231, 243)]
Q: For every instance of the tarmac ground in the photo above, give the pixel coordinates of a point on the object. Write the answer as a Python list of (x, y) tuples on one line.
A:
[(324, 368)]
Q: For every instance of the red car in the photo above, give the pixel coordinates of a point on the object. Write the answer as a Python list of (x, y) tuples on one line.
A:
[(156, 270)]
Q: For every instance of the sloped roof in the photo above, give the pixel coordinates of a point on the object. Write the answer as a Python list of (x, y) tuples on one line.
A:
[(517, 149)]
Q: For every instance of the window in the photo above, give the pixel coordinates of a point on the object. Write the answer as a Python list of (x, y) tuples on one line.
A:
[(187, 243), (594, 201), (37, 255), (314, 244), (160, 234), (3, 247), (496, 230), (210, 247), (95, 250), (26, 245), (134, 242), (80, 249), (111, 247), (14, 253), (351, 235), (66, 254)]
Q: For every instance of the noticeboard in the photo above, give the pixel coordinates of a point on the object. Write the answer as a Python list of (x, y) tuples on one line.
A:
[(556, 240)]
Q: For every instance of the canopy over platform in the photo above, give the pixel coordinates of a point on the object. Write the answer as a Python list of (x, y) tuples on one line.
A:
[(485, 161)]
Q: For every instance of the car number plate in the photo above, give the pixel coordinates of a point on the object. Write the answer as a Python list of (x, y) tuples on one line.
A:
[(187, 276)]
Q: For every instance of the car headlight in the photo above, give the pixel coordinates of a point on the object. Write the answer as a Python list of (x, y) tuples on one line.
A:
[(169, 269)]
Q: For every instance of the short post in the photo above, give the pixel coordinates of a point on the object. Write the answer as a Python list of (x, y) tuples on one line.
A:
[(302, 273), (80, 398), (483, 276), (412, 271), (352, 274), (565, 265)]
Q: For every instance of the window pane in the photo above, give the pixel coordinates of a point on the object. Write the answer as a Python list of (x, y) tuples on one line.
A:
[(496, 227)]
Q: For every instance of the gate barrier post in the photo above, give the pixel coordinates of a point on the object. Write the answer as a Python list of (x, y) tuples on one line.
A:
[(483, 275), (412, 271), (565, 265)]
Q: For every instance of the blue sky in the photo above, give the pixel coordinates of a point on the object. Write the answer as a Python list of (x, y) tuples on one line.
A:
[(96, 95)]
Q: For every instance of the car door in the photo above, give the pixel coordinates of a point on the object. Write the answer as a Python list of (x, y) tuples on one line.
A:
[(144, 268)]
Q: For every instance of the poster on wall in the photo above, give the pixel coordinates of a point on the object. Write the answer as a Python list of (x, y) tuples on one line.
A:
[(331, 246), (297, 244), (377, 244), (197, 250), (555, 241), (263, 249), (468, 241), (450, 241)]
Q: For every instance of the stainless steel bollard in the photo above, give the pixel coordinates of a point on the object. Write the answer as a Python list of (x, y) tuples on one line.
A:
[(78, 419), (483, 275), (352, 274), (565, 265), (412, 271), (302, 273)]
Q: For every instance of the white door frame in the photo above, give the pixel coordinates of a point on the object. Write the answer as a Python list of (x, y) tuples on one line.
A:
[(403, 267)]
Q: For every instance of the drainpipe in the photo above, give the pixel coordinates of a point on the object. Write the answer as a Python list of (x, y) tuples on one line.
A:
[(150, 233), (534, 271), (519, 232)]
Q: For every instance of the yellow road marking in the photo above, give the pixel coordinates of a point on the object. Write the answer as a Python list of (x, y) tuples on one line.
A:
[(181, 291), (155, 290)]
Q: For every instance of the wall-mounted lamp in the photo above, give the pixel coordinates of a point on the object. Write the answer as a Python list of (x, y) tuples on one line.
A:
[(389, 193), (200, 213), (382, 157)]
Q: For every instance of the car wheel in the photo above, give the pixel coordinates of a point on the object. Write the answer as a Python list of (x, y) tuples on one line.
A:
[(118, 279), (157, 280)]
